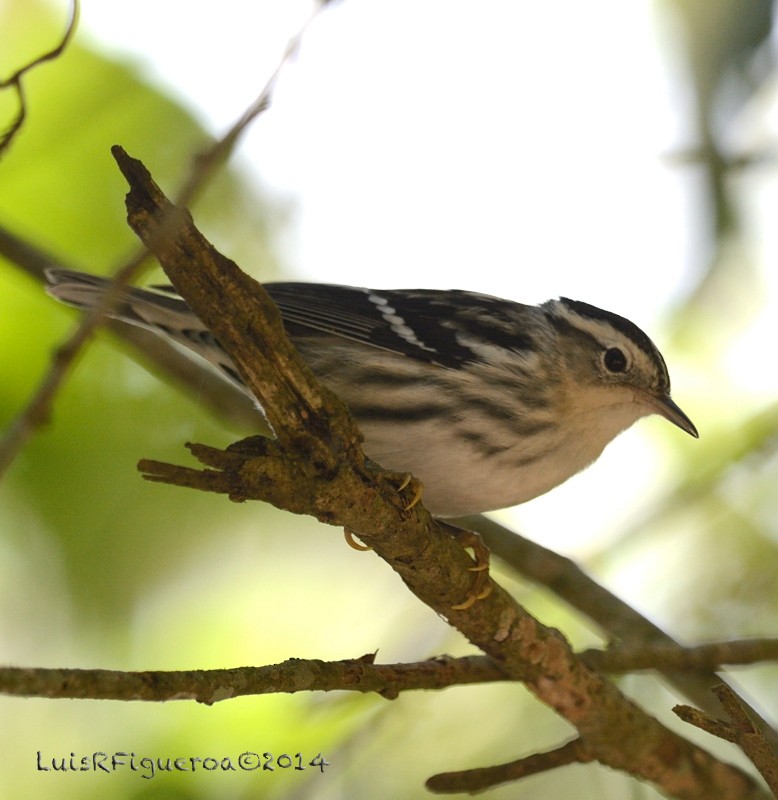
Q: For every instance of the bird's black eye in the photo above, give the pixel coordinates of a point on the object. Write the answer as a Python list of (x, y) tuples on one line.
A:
[(614, 360)]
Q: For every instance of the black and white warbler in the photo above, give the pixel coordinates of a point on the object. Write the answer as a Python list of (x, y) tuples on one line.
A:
[(488, 402)]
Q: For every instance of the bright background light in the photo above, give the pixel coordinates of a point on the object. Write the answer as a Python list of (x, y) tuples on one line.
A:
[(504, 147), (517, 149)]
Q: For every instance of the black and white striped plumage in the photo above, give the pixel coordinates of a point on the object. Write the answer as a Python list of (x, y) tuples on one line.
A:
[(489, 402)]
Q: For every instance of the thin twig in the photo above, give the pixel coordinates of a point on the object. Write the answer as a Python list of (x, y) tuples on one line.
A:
[(15, 80), (212, 158), (741, 730), (477, 780), (38, 407)]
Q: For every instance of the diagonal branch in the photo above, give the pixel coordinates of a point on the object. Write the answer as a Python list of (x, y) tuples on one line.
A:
[(316, 465), (622, 623)]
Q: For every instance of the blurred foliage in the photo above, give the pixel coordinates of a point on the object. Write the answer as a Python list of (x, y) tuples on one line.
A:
[(98, 568), (62, 191), (725, 48), (725, 45)]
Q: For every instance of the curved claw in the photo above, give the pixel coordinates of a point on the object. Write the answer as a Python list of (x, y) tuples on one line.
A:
[(404, 480), (466, 604), (351, 541), (482, 587)]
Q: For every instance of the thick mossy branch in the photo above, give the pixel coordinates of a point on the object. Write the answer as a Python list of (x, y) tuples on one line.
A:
[(316, 467)]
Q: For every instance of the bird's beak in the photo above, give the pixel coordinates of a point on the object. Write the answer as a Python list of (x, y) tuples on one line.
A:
[(666, 407)]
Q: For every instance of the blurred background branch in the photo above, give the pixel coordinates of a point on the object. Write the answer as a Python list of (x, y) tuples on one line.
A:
[(14, 82)]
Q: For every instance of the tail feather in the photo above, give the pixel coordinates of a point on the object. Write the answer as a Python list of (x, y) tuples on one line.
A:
[(164, 314)]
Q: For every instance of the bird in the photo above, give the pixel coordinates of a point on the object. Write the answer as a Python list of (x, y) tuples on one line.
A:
[(488, 402)]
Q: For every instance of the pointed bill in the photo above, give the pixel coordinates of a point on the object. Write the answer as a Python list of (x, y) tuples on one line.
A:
[(666, 407)]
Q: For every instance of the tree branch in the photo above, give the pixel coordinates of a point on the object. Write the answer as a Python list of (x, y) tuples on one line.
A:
[(477, 780), (214, 685), (741, 731), (622, 623), (15, 80), (357, 675), (316, 465), (635, 656)]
